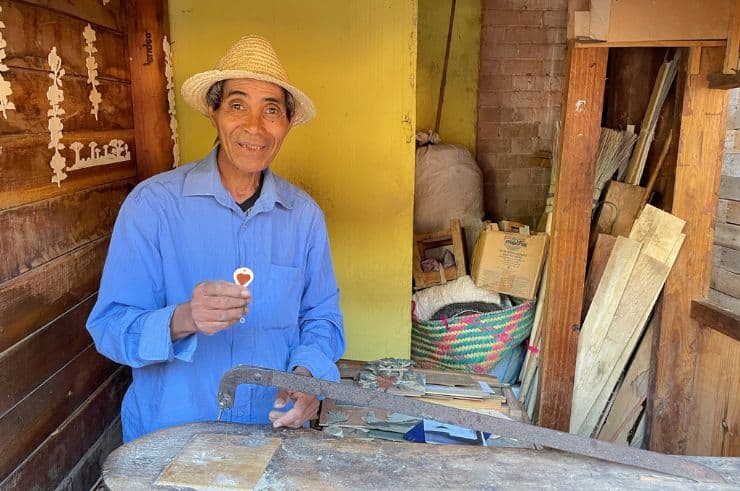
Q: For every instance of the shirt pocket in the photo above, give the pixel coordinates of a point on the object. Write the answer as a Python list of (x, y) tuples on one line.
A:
[(285, 289)]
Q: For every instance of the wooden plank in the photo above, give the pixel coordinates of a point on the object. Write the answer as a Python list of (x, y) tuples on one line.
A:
[(699, 163), (723, 81), (42, 354), (725, 282), (29, 96), (620, 207), (39, 296), (697, 43), (733, 212), (75, 440), (212, 459), (630, 396), (716, 408), (147, 28), (635, 20), (31, 31), (659, 232), (726, 259), (591, 362), (312, 460), (727, 235), (32, 420), (732, 50), (571, 217), (25, 174), (599, 257), (724, 301), (87, 473), (729, 188), (109, 13), (715, 317), (44, 230)]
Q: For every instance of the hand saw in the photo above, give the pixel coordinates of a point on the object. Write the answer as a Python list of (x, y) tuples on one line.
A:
[(667, 464)]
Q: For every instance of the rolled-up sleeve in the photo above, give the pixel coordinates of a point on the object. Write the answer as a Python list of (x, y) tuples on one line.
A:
[(130, 323), (321, 324)]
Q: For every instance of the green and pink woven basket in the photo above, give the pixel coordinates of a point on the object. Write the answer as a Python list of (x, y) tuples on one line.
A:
[(470, 343)]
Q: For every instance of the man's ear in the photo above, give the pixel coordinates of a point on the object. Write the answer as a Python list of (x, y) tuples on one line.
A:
[(212, 116)]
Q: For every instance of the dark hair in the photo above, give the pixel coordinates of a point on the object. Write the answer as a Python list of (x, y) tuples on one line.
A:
[(215, 95)]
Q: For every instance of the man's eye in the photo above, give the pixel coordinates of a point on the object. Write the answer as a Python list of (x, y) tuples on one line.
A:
[(272, 110), (236, 106)]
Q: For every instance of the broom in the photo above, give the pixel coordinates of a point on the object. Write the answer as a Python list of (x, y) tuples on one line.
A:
[(615, 147)]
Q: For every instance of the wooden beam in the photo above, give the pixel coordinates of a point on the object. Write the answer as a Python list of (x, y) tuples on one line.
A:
[(714, 317), (723, 81), (676, 43), (702, 131), (733, 40), (146, 30), (579, 140)]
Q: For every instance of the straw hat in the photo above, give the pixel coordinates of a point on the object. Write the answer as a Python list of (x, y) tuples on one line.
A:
[(251, 57)]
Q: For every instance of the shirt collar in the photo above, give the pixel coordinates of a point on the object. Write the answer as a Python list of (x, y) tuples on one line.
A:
[(204, 180)]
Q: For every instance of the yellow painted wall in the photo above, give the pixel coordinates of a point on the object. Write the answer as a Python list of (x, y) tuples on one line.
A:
[(357, 60), (460, 109)]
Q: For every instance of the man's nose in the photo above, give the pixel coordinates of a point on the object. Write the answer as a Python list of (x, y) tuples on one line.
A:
[(251, 121)]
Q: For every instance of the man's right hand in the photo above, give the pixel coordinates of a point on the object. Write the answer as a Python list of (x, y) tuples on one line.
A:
[(215, 306)]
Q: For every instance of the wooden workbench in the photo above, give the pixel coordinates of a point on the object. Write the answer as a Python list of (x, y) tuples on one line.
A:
[(308, 459)]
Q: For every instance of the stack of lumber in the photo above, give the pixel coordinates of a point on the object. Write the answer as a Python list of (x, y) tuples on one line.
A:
[(629, 285)]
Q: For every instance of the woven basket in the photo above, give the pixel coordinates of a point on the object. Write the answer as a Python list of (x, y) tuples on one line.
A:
[(470, 343)]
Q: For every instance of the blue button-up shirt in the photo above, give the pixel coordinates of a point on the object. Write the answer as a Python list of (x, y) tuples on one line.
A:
[(183, 227)]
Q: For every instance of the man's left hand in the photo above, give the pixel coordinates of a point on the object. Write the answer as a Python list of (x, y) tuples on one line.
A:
[(305, 406)]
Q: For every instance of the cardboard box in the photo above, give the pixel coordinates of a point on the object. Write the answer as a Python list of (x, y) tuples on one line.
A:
[(508, 262)]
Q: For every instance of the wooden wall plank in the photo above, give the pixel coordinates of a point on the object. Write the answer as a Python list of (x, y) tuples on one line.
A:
[(716, 410), (110, 15), (25, 174), (31, 421), (29, 97), (88, 473), (699, 164), (571, 221), (27, 364), (725, 282), (146, 30), (727, 235), (712, 316), (44, 230), (47, 466), (54, 29), (36, 298), (726, 259)]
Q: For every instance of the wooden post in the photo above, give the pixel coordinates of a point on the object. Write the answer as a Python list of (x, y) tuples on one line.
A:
[(147, 26), (698, 168), (571, 222)]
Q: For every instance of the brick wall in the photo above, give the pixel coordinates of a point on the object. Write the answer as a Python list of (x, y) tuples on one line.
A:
[(725, 281), (521, 82)]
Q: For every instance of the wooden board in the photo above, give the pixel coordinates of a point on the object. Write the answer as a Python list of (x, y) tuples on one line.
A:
[(147, 27), (619, 208), (310, 459), (699, 163), (571, 217), (717, 402), (109, 13), (44, 230), (216, 462), (59, 453), (630, 397), (31, 32), (37, 297), (32, 420), (658, 20), (42, 354), (31, 104), (25, 174), (602, 250)]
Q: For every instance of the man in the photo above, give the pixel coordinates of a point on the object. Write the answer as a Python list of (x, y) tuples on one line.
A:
[(168, 306)]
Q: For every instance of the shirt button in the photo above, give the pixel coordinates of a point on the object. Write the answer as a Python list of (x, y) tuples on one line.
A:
[(240, 413)]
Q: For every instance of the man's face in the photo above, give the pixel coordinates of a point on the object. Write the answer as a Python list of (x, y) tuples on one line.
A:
[(251, 123)]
